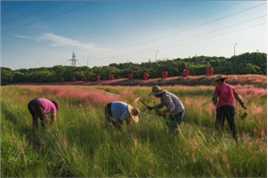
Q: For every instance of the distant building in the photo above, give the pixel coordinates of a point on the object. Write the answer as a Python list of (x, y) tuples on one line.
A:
[(146, 76), (130, 76), (210, 70), (185, 72), (164, 74)]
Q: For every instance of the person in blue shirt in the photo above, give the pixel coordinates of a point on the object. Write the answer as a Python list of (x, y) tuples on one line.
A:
[(118, 112)]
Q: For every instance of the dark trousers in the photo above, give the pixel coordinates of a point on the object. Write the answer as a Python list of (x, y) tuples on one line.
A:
[(175, 120), (227, 112), (36, 112)]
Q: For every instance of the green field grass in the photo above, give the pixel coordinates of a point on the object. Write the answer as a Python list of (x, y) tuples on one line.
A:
[(79, 144)]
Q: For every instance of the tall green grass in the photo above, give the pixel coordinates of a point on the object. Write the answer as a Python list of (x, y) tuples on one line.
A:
[(79, 144)]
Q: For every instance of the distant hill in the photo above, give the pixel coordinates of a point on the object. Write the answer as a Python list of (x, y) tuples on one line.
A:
[(247, 63)]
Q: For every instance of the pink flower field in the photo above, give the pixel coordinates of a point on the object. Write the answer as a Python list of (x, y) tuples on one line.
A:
[(85, 94)]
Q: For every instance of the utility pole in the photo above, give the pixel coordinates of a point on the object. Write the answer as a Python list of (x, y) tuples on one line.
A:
[(156, 53), (235, 48)]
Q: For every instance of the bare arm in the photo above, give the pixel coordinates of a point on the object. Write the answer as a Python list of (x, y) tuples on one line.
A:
[(239, 99), (215, 96), (129, 121), (158, 106), (53, 117), (214, 99)]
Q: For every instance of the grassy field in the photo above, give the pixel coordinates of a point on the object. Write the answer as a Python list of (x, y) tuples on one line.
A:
[(79, 144)]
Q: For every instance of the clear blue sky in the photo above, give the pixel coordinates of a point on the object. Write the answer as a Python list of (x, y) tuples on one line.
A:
[(45, 33)]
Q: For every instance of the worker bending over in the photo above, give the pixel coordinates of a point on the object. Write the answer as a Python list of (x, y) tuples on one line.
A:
[(174, 108), (43, 109), (117, 112)]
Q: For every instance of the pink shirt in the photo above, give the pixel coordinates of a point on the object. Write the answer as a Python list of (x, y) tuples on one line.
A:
[(47, 105), (225, 93)]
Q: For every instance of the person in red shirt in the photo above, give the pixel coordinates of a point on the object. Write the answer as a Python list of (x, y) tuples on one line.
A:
[(42, 108), (224, 99)]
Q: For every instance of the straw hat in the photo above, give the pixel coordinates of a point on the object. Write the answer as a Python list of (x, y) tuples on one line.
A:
[(156, 90), (220, 77), (134, 113)]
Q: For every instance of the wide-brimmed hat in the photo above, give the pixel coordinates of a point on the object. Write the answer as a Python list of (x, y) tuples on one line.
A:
[(134, 113), (156, 90), (220, 77)]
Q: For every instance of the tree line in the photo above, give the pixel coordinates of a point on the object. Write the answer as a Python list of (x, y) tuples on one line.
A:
[(247, 63)]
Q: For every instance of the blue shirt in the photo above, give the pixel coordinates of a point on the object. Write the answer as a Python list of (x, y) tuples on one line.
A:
[(119, 110)]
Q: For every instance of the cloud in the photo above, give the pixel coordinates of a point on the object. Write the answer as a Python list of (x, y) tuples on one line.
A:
[(60, 41), (101, 55)]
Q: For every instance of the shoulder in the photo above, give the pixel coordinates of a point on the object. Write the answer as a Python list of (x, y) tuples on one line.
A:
[(44, 100), (118, 103), (166, 94), (229, 86), (170, 96), (218, 89)]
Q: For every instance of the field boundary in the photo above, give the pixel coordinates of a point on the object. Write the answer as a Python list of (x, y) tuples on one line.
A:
[(254, 80)]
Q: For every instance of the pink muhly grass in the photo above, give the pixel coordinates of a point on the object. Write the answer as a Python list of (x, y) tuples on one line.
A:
[(88, 95), (251, 91)]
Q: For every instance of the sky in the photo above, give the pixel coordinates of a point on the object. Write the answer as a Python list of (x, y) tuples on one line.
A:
[(45, 33)]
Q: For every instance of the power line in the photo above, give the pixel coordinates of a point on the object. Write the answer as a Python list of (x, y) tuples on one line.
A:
[(206, 23), (234, 14), (235, 25), (222, 34), (228, 27), (248, 27)]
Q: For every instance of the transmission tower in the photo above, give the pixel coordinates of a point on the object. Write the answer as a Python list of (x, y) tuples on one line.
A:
[(73, 60)]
